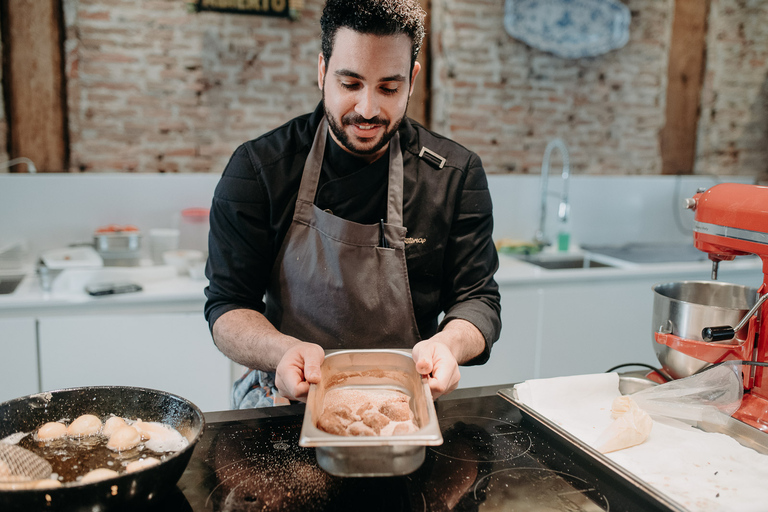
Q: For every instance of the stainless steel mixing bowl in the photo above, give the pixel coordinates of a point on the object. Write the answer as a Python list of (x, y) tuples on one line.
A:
[(684, 308)]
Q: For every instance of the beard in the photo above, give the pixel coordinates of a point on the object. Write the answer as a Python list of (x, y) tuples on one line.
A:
[(354, 147)]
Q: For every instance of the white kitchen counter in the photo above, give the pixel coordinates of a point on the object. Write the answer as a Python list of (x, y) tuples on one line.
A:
[(554, 322), (514, 271), (181, 293), (174, 294)]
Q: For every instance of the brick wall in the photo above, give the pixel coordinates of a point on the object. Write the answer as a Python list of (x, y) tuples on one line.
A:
[(506, 100), (154, 88), (733, 129)]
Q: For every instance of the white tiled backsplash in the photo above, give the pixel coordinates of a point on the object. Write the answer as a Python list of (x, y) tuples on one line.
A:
[(605, 210)]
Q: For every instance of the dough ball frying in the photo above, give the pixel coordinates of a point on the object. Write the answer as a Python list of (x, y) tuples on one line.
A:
[(140, 464), (52, 430), (97, 475), (84, 426), (113, 424), (48, 483), (151, 430), (160, 437), (124, 438)]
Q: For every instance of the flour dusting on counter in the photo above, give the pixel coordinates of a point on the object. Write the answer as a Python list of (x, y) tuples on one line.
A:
[(700, 470)]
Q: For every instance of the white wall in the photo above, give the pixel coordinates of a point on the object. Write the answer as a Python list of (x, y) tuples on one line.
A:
[(53, 210)]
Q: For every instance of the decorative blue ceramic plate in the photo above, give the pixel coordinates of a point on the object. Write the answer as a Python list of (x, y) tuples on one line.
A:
[(569, 28)]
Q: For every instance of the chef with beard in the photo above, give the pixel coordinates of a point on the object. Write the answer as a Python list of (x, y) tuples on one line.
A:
[(353, 226)]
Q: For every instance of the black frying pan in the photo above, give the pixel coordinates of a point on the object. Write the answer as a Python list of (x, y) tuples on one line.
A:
[(134, 491)]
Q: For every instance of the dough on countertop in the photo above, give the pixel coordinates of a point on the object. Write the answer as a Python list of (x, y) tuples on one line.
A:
[(631, 427)]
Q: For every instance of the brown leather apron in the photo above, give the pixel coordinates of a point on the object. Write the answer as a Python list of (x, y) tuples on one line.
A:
[(335, 282)]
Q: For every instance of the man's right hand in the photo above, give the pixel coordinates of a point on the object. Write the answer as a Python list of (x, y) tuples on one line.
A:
[(298, 368)]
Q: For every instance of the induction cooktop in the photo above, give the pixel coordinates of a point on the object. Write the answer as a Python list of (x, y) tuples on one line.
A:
[(494, 457)]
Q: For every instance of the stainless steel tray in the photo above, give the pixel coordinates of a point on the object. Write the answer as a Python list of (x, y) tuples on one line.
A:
[(371, 455), (597, 463)]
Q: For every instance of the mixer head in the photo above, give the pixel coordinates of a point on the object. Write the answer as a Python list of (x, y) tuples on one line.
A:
[(731, 220)]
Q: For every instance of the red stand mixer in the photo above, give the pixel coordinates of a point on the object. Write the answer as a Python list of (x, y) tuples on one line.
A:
[(732, 220)]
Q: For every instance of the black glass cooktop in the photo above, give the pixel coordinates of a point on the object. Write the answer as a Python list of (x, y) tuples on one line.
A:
[(492, 458)]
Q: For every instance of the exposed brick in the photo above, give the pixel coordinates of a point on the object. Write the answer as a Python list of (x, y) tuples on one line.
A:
[(147, 78), (189, 151), (94, 15)]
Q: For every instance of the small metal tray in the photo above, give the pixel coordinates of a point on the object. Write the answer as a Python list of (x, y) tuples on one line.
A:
[(371, 455)]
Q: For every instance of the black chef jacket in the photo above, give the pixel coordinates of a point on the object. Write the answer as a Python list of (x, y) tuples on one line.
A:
[(447, 212)]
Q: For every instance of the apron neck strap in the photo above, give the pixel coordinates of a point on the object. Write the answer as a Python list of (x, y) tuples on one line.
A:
[(314, 165), (395, 194)]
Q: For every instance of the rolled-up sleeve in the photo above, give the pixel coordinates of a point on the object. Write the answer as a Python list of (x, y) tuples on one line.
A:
[(239, 246), (470, 289)]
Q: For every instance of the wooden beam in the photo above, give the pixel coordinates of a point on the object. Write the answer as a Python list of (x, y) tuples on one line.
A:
[(419, 104), (685, 76), (34, 83)]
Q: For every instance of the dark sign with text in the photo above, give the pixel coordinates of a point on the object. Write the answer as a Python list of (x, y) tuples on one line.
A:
[(280, 8)]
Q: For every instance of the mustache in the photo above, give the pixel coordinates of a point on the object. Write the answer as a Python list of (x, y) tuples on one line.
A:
[(354, 118)]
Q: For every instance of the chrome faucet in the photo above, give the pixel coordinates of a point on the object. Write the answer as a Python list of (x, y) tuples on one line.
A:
[(564, 210)]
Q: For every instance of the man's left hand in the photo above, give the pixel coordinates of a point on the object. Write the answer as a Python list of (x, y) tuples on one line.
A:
[(439, 357), (436, 361)]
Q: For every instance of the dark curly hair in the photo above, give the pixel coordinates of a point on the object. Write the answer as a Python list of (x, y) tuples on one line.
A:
[(377, 17)]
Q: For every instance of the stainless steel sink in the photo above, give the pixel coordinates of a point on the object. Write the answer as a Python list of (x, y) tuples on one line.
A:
[(563, 262), (8, 284)]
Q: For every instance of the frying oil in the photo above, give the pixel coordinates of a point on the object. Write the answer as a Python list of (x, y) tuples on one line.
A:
[(72, 457)]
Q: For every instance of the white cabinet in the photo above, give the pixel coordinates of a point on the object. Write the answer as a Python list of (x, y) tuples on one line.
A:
[(513, 357), (18, 358), (591, 328), (171, 352)]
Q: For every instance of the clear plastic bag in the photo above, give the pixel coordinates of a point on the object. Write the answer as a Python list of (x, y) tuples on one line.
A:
[(706, 396)]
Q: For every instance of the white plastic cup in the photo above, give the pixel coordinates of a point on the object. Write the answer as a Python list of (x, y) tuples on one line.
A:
[(183, 259), (162, 240), (194, 227)]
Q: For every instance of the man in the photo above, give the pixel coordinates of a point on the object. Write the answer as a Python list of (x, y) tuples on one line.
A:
[(352, 226)]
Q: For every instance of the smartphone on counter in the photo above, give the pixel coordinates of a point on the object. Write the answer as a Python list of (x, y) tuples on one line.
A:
[(100, 289)]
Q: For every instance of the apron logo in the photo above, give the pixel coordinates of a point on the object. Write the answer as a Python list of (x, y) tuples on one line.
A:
[(409, 240)]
